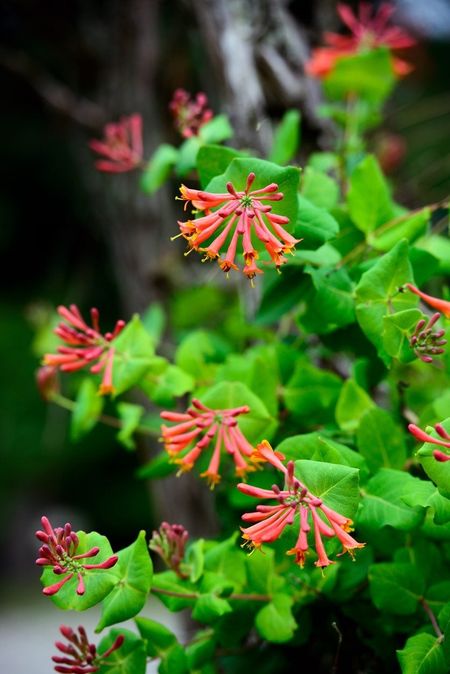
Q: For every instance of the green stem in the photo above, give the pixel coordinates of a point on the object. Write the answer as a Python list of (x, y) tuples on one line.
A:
[(195, 595), (426, 607)]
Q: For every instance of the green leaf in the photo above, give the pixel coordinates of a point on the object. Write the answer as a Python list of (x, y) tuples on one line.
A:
[(437, 471), (314, 225), (130, 658), (216, 130), (439, 247), (158, 637), (266, 172), (88, 407), (160, 466), (227, 559), (174, 661), (353, 403), (397, 330), (134, 571), (383, 504), (199, 352), (332, 305), (319, 188), (368, 74), (380, 440), (169, 581), (213, 160), (201, 650), (195, 560), (275, 622), (377, 294), (130, 416), (281, 295), (423, 654), (134, 355), (410, 228), (312, 393), (286, 138), (172, 383), (257, 424), (395, 587), (336, 485), (317, 447), (368, 199), (187, 156), (208, 608), (98, 582), (154, 321), (158, 168)]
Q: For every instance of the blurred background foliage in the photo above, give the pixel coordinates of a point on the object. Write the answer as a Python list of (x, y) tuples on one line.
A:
[(56, 240)]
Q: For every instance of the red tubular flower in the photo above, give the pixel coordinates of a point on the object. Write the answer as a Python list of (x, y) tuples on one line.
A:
[(170, 544), (58, 550), (242, 213), (269, 521), (189, 113), (80, 656), (422, 436), (203, 425), (368, 31), (441, 305), (121, 146), (84, 346), (426, 342)]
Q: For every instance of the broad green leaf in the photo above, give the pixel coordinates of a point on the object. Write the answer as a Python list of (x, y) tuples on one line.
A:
[(158, 168), (368, 199), (332, 304), (169, 581), (286, 138), (174, 661), (423, 654), (134, 355), (378, 295), (208, 608), (439, 247), (353, 403), (437, 471), (201, 650), (317, 447), (368, 74), (134, 571), (402, 227), (312, 393), (281, 295), (336, 485), (212, 160), (187, 156), (258, 424), (397, 330), (98, 582), (266, 172), (216, 130), (314, 225), (441, 507), (88, 407), (261, 572), (380, 440), (130, 658), (275, 621), (154, 321), (198, 354), (172, 383), (396, 588), (383, 505), (319, 188), (195, 560), (227, 558), (158, 637), (325, 256), (130, 416)]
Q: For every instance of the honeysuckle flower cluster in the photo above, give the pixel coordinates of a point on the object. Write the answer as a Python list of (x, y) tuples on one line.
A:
[(59, 551), (121, 146), (294, 503), (206, 426), (189, 113), (435, 302), (79, 655), (422, 436), (369, 30), (85, 345), (169, 542), (425, 342), (237, 214)]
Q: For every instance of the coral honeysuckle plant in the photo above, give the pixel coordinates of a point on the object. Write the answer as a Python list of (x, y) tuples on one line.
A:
[(319, 415)]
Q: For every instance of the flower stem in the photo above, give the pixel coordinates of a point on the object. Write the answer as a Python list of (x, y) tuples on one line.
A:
[(426, 607)]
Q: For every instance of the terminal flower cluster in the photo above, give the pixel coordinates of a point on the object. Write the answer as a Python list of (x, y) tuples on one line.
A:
[(442, 441), (189, 113), (294, 503), (79, 655), (203, 425), (85, 345), (169, 542), (426, 342), (122, 147), (242, 214), (368, 31), (59, 551)]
